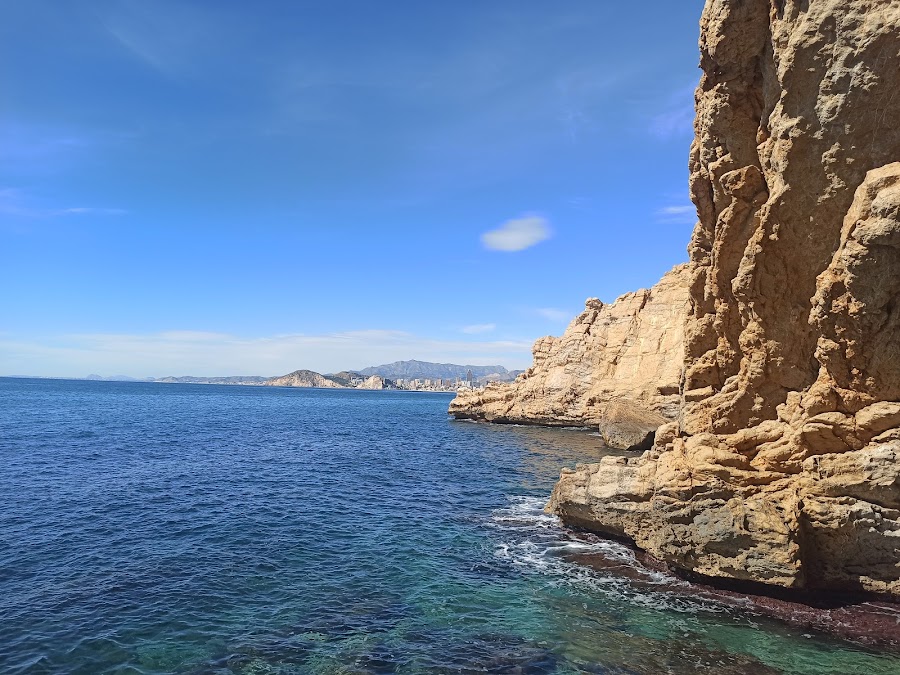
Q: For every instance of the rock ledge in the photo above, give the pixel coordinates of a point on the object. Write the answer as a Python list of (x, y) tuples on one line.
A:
[(617, 367)]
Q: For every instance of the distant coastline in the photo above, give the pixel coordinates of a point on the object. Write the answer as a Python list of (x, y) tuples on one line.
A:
[(398, 376)]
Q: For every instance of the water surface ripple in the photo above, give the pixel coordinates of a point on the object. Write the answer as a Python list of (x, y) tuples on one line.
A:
[(154, 528)]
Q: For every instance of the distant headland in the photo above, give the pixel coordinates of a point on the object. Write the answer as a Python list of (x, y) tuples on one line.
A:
[(409, 375)]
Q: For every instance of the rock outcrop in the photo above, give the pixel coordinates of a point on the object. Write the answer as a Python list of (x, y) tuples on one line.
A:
[(372, 382), (617, 366), (303, 378), (784, 464)]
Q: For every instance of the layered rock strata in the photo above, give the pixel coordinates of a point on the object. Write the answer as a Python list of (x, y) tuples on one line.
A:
[(784, 463), (617, 367)]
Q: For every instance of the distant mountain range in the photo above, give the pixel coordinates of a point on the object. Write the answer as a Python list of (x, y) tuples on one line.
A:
[(111, 378), (365, 378), (398, 375), (190, 379)]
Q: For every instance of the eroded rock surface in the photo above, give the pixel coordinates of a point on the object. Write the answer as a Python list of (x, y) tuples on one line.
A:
[(616, 366), (782, 466)]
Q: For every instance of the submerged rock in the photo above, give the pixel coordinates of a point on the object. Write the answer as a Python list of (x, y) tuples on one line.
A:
[(617, 366), (782, 466)]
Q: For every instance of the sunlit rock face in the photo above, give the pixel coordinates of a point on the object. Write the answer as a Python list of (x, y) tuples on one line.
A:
[(617, 367), (782, 466), (372, 382)]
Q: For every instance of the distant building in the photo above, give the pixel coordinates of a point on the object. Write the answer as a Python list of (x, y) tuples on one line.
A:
[(469, 376)]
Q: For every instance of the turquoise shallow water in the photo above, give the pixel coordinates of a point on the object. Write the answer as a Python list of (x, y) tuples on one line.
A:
[(152, 528)]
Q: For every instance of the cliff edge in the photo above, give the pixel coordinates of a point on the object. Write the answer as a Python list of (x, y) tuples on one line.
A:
[(782, 466), (617, 366)]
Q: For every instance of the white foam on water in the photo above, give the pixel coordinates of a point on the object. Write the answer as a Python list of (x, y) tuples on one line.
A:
[(536, 543)]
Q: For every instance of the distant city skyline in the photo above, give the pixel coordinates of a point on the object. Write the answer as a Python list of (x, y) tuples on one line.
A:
[(214, 189)]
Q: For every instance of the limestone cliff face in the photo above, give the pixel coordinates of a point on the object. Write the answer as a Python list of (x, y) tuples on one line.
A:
[(616, 366), (372, 382), (303, 378), (784, 464)]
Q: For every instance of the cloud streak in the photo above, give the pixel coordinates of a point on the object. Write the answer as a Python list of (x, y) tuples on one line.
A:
[(173, 39), (212, 354), (14, 202), (517, 234), (477, 328), (34, 149), (677, 214), (553, 314), (677, 117), (86, 210)]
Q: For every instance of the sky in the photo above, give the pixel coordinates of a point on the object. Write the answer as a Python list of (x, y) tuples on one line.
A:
[(234, 188)]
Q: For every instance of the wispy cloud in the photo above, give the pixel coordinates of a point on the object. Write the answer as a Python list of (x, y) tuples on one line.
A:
[(677, 116), (579, 92), (530, 102), (474, 329), (579, 203), (32, 148), (517, 234), (171, 38), (11, 202), (15, 202), (209, 353), (553, 314), (86, 210), (677, 214)]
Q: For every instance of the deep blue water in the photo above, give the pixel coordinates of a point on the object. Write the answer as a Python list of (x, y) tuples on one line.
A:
[(155, 528)]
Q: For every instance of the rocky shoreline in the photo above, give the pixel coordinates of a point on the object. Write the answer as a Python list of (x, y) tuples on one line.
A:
[(775, 421), (616, 367), (865, 619)]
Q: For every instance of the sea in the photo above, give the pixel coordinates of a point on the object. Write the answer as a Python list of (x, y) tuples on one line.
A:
[(174, 528)]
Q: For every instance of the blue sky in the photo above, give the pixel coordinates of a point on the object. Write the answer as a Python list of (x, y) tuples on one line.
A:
[(218, 188)]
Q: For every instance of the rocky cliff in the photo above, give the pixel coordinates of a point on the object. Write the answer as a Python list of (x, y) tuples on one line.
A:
[(303, 378), (372, 382), (616, 366), (783, 464)]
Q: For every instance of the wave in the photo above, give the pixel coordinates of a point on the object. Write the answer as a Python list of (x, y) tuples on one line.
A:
[(536, 543)]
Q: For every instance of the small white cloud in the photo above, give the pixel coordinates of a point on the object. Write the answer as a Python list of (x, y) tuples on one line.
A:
[(678, 214), (479, 328), (553, 314), (517, 234)]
